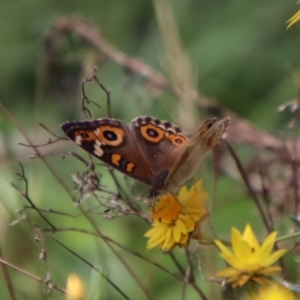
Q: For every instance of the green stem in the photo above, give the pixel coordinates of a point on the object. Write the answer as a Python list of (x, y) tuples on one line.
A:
[(289, 236), (210, 242)]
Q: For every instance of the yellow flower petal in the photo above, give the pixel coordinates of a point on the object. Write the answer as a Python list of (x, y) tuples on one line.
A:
[(295, 18), (75, 288), (250, 237), (236, 239), (178, 231), (274, 291), (182, 193), (183, 239), (176, 219), (189, 226), (228, 272), (249, 260), (275, 256), (222, 247), (267, 246), (270, 270), (245, 253), (243, 279), (261, 280), (232, 260), (232, 279)]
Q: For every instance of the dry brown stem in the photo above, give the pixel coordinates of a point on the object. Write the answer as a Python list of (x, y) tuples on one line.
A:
[(241, 131)]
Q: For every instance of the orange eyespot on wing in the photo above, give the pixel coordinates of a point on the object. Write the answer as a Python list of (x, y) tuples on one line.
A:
[(152, 133), (84, 135), (177, 140), (110, 135)]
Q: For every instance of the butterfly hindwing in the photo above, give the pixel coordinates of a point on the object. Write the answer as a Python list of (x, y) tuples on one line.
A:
[(160, 142)]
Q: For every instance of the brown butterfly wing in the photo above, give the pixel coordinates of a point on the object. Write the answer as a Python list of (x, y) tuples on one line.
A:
[(160, 142), (207, 136), (112, 142), (189, 161), (158, 184)]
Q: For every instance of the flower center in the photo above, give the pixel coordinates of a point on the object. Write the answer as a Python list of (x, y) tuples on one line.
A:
[(167, 209)]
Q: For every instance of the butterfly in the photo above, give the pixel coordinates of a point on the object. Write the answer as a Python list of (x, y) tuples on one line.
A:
[(153, 151)]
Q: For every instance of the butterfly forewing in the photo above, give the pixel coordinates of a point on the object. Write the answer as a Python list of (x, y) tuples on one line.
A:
[(112, 142)]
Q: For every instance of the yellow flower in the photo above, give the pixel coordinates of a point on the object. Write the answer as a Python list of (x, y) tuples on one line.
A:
[(249, 261), (75, 288), (175, 221), (273, 291), (295, 18)]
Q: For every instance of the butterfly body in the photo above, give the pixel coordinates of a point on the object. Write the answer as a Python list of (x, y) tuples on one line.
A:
[(152, 151)]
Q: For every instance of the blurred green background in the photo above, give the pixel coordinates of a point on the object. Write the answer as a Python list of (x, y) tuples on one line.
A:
[(241, 55)]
